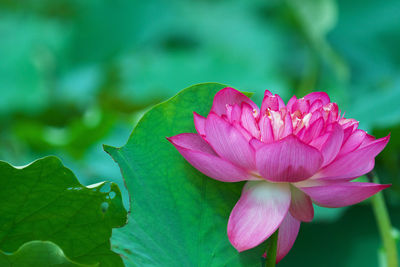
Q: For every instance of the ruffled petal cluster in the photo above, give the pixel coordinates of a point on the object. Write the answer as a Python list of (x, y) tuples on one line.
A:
[(292, 155)]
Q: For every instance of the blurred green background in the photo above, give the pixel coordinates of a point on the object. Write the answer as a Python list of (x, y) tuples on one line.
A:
[(78, 74)]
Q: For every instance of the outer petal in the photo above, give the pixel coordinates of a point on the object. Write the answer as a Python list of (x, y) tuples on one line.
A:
[(256, 144), (301, 205), (331, 147), (199, 123), (353, 164), (367, 140), (198, 153), (287, 236), (317, 104), (315, 116), (230, 96), (246, 134), (353, 142), (288, 160), (339, 194), (314, 130), (349, 126), (229, 142), (322, 96), (319, 141), (192, 142), (258, 213)]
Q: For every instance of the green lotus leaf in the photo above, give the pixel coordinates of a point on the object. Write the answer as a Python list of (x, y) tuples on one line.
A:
[(45, 201)]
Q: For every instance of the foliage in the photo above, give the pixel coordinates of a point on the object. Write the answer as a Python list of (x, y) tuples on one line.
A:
[(38, 253), (45, 201), (72, 80)]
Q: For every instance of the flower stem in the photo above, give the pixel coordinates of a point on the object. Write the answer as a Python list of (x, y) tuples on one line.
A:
[(384, 225), (272, 249)]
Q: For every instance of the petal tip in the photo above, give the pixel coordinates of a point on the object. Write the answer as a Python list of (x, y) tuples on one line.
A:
[(232, 239), (227, 89), (237, 245), (384, 186), (268, 93), (385, 139), (239, 248), (388, 137), (171, 139)]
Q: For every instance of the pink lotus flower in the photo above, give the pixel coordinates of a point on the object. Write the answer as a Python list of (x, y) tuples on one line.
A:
[(291, 155)]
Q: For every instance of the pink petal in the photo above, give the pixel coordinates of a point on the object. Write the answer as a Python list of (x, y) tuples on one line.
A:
[(193, 142), (246, 134), (314, 130), (256, 144), (332, 110), (229, 142), (277, 123), (314, 96), (368, 140), (230, 96), (301, 104), (353, 142), (346, 133), (271, 102), (317, 104), (288, 160), (267, 93), (320, 141), (199, 154), (287, 236), (248, 120), (290, 103), (233, 113), (300, 134), (258, 213), (353, 164), (288, 128), (280, 101), (267, 134), (340, 194), (315, 116), (199, 123), (301, 206), (349, 123), (349, 126), (331, 147)]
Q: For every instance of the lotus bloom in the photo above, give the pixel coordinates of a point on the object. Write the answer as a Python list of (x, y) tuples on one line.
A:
[(290, 155)]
